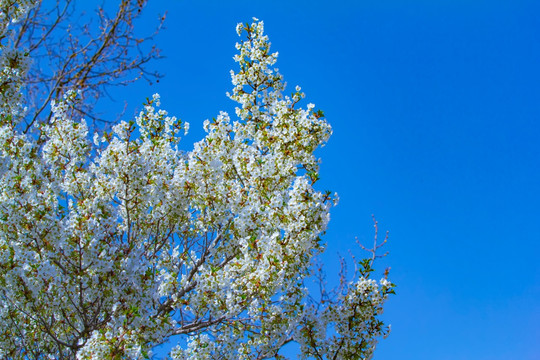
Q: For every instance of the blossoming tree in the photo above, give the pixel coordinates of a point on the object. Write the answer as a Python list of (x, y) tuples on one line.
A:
[(111, 247)]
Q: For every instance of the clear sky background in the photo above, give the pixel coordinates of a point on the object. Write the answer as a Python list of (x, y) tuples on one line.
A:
[(435, 110)]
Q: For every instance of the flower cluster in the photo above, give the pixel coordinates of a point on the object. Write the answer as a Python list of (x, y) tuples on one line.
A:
[(109, 248), (12, 11), (14, 62)]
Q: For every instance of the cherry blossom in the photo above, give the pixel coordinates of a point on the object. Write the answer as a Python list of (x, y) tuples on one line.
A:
[(113, 243)]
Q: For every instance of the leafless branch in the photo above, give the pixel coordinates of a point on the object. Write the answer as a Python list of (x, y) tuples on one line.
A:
[(72, 50)]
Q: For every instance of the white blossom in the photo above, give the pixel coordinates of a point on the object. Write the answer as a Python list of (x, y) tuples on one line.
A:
[(109, 247)]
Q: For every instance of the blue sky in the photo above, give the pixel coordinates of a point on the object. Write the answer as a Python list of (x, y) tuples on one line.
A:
[(435, 110)]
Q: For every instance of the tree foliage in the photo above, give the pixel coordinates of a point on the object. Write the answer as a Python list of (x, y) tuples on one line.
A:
[(111, 246)]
